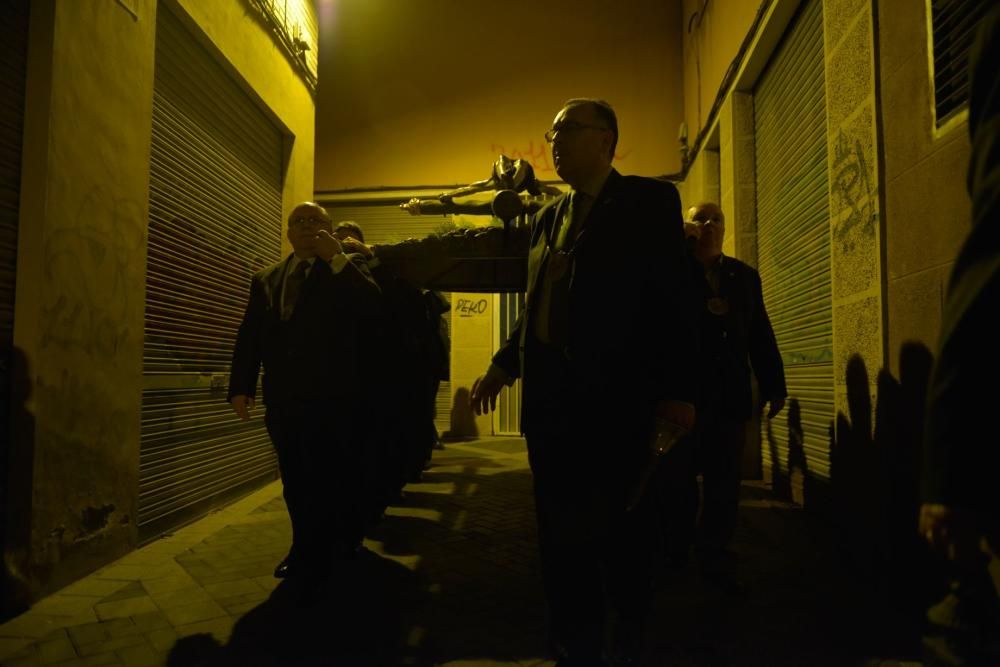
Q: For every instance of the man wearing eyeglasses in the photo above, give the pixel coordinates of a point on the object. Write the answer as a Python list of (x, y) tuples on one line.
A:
[(305, 322), (603, 351)]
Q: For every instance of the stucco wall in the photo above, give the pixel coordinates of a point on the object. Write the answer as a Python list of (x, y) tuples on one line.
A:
[(927, 208), (702, 181), (82, 260), (711, 33), (80, 284), (431, 92), (471, 351), (856, 232)]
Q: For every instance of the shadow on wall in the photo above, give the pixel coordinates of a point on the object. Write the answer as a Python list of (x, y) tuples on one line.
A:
[(872, 498), (463, 421), (17, 459), (791, 481)]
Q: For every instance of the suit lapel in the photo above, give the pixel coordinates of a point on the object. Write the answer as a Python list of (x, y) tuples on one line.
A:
[(540, 249), (310, 281), (602, 209), (273, 282)]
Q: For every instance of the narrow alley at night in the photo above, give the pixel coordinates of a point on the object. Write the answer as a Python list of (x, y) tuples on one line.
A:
[(442, 333)]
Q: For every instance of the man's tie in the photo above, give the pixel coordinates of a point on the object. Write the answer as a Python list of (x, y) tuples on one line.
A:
[(293, 287), (571, 220), (560, 266)]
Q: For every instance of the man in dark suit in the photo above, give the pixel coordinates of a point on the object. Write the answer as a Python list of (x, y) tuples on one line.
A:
[(736, 335), (960, 514), (305, 322), (603, 351)]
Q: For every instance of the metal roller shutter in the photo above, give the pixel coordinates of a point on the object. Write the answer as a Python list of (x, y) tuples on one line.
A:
[(13, 32), (385, 222), (13, 60), (954, 24), (215, 219), (507, 418), (794, 238), (442, 406)]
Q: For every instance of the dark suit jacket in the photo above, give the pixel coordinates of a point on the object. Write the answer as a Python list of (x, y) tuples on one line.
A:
[(733, 342), (961, 453), (632, 329), (314, 355)]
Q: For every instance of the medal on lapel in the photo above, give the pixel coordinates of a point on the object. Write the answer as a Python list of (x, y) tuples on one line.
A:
[(559, 263)]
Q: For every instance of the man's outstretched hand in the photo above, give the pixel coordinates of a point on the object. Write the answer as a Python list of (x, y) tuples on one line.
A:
[(485, 390)]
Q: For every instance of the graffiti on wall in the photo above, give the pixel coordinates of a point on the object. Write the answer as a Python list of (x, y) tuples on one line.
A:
[(538, 156), (86, 302), (470, 307), (851, 186)]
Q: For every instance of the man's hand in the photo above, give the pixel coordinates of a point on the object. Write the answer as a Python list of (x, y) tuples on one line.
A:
[(485, 390), (353, 245), (678, 412), (327, 246), (242, 405), (691, 230), (776, 405)]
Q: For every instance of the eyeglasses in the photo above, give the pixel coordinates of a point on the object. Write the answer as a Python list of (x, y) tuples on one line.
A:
[(569, 127), (302, 222)]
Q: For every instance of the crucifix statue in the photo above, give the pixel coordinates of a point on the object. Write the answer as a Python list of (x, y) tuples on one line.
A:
[(517, 191)]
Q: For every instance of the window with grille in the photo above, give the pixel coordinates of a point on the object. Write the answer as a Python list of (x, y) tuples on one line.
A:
[(953, 29)]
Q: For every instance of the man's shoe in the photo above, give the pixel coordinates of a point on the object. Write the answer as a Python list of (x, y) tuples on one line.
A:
[(283, 570)]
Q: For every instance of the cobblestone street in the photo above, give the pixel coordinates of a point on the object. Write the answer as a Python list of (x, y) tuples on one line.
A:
[(451, 579)]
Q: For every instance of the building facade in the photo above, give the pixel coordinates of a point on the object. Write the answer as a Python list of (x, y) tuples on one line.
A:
[(161, 146)]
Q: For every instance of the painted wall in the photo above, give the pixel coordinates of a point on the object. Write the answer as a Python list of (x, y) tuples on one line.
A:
[(472, 348), (712, 32), (81, 267), (431, 92), (927, 208)]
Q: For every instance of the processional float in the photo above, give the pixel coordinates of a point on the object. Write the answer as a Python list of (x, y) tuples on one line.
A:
[(478, 259)]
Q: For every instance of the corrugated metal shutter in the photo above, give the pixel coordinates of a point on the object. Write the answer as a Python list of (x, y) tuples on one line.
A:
[(794, 238), (507, 419), (13, 59), (442, 404), (14, 36), (384, 222), (215, 219), (954, 24)]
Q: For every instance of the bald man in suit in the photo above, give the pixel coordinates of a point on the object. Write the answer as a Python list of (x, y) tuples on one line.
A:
[(305, 323)]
